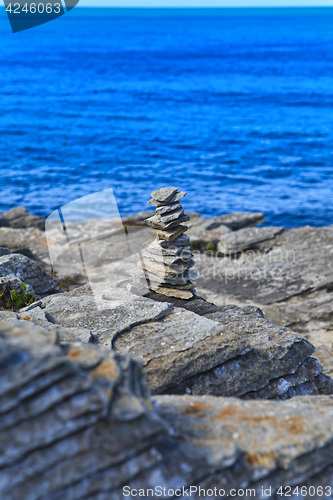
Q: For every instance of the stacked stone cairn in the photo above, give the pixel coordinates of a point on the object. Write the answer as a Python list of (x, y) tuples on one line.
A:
[(167, 261)]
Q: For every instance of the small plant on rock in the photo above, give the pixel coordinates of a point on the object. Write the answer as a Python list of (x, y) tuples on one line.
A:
[(211, 248), (13, 299)]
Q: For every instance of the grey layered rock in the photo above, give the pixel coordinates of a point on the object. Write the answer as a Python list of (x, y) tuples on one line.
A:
[(120, 312), (244, 239), (167, 222), (34, 315), (324, 355), (255, 444), (201, 237), (68, 416), (265, 358), (170, 255), (238, 220), (33, 238), (167, 275), (77, 422), (204, 231), (165, 196), (19, 266), (137, 219), (4, 251), (169, 235), (166, 209), (178, 243), (290, 277), (211, 350), (3, 221), (19, 217)]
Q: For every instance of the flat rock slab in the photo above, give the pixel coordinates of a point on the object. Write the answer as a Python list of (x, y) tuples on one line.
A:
[(33, 238), (184, 294), (77, 421), (28, 272), (171, 207), (210, 229), (109, 319), (164, 194), (263, 443), (229, 352), (220, 351), (324, 355), (68, 414), (290, 277), (300, 262), (19, 217), (4, 251), (238, 220), (168, 222), (169, 235), (204, 231), (181, 241), (244, 239)]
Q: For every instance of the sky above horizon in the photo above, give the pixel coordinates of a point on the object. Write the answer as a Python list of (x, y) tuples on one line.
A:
[(205, 3)]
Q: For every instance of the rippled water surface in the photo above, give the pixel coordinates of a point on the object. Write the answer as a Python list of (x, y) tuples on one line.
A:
[(234, 106)]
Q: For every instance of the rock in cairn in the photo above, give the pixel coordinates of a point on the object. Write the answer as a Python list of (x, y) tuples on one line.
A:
[(167, 260)]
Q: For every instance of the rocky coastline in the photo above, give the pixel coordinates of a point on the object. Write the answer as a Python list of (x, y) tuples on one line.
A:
[(229, 388)]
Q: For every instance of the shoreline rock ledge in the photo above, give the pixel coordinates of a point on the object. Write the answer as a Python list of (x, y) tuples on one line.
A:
[(77, 422), (167, 261)]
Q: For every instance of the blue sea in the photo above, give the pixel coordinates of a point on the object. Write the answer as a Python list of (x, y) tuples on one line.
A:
[(235, 106)]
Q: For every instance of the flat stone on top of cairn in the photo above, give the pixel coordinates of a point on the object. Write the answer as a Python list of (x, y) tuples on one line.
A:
[(167, 261)]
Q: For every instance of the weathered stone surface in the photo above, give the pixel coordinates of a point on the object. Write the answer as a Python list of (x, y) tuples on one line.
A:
[(244, 239), (255, 444), (179, 293), (137, 219), (160, 252), (76, 422), (324, 354), (166, 209), (238, 220), (112, 317), (168, 258), (4, 251), (158, 222), (28, 271), (164, 195), (291, 281), (33, 238), (178, 281), (182, 351), (167, 270), (201, 236), (169, 235), (204, 231), (19, 217), (37, 318), (180, 242), (268, 361), (68, 416), (3, 221)]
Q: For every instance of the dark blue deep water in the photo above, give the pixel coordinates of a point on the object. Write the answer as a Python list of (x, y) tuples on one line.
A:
[(233, 105)]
